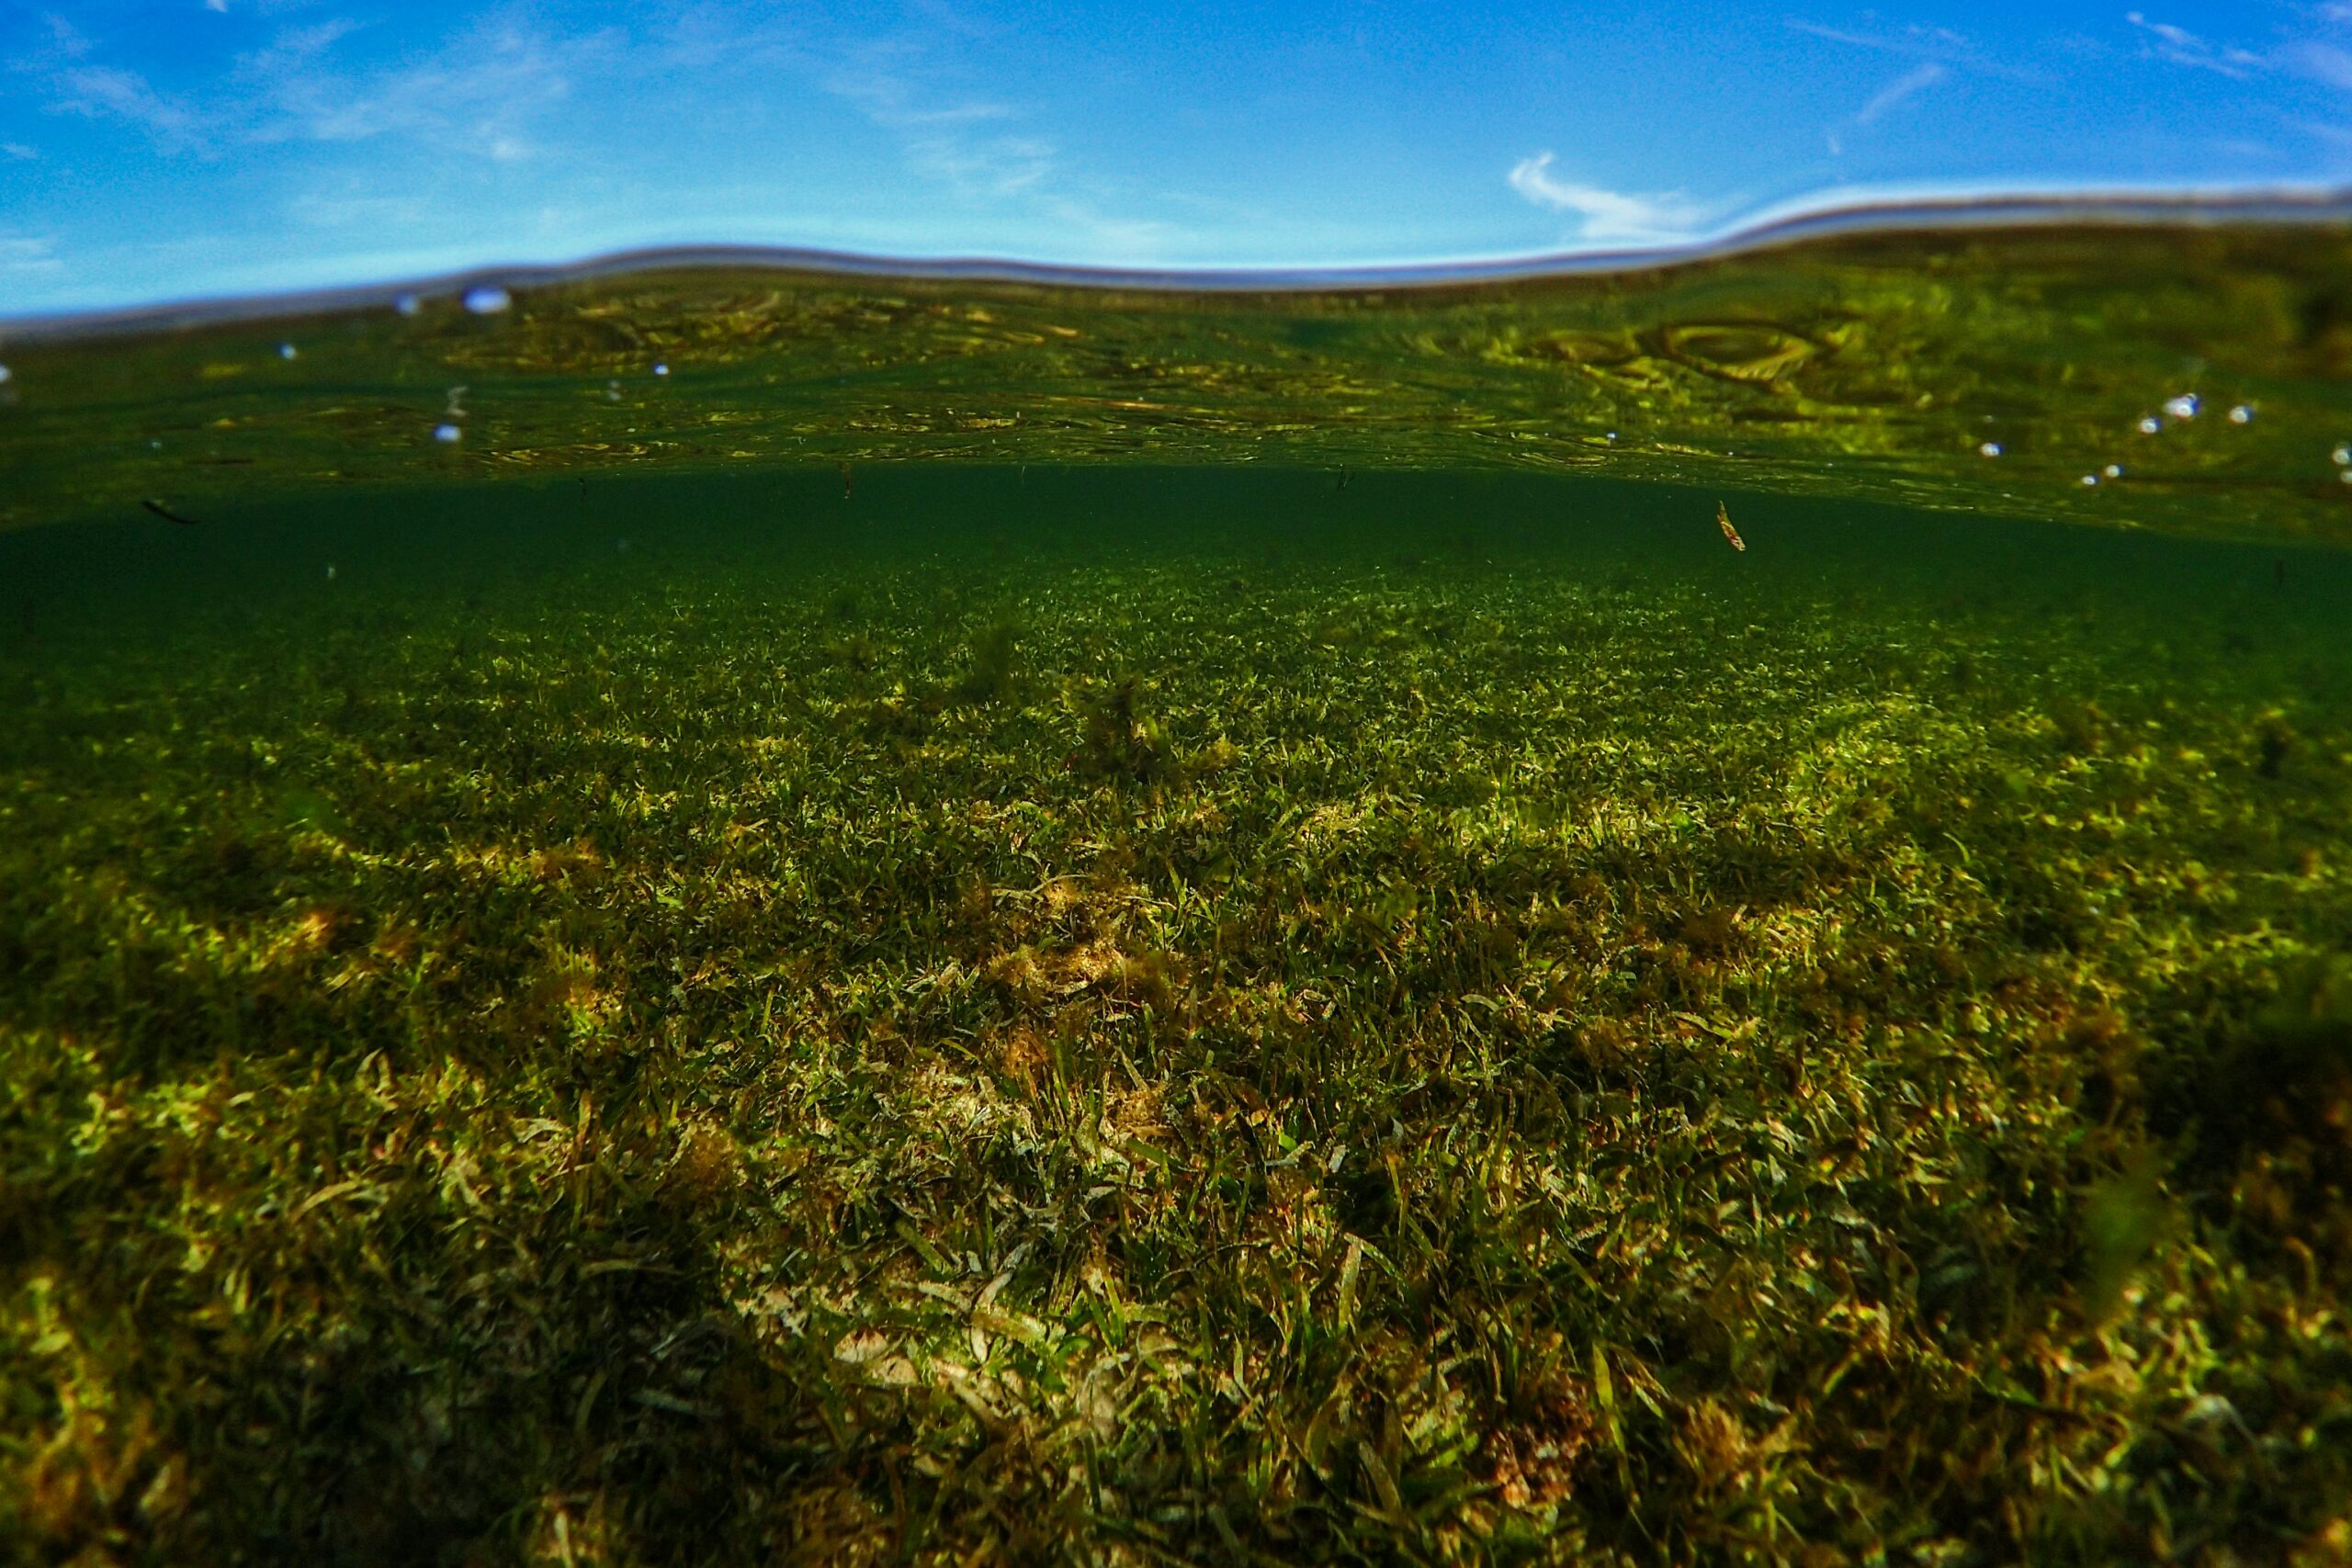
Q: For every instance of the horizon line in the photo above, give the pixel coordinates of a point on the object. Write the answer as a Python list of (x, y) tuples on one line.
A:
[(1826, 215)]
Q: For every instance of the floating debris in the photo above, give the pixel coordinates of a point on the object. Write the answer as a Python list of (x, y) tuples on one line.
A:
[(167, 514), (1731, 534), (845, 481)]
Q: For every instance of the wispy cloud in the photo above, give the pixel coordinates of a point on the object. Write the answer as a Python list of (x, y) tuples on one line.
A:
[(485, 93), (107, 92), (1888, 99), (1908, 85), (1937, 43), (967, 142), (27, 256), (482, 92), (1937, 46), (2163, 40), (978, 145), (2325, 62), (1606, 214)]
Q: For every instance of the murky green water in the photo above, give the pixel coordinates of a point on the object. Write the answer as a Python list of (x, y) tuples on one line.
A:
[(734, 917)]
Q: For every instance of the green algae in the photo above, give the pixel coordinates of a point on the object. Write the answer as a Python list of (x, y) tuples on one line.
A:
[(1172, 1018)]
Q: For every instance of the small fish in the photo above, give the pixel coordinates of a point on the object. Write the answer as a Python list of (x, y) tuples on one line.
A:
[(845, 481), (1731, 534), (167, 514)]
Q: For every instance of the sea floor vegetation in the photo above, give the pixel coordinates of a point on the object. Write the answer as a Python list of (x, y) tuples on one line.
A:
[(1217, 1053)]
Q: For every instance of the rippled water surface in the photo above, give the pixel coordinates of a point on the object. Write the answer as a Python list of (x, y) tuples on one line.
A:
[(2188, 378)]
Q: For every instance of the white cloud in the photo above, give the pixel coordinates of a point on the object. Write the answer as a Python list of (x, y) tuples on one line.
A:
[(479, 95), (2322, 63), (105, 91), (18, 149), (1607, 214), (2182, 46), (1909, 85), (976, 145), (944, 136), (1940, 43), (1941, 46), (480, 92), (27, 256)]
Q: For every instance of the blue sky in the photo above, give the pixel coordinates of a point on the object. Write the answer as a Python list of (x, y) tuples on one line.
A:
[(156, 150)]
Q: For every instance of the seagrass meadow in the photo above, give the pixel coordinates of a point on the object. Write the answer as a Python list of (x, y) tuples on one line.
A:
[(1177, 1015), (732, 916)]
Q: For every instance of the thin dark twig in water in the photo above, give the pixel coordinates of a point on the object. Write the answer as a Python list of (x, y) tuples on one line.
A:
[(167, 514)]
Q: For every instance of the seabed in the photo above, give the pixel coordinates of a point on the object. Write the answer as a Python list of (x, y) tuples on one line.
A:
[(1151, 1016)]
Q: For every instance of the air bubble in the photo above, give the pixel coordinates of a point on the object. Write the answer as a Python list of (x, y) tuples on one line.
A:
[(2184, 406), (2114, 470), (2090, 479), (446, 433), (2151, 425), (488, 300), (1990, 449), (6, 375), (2342, 457), (662, 370), (407, 304), (2242, 414), (286, 351)]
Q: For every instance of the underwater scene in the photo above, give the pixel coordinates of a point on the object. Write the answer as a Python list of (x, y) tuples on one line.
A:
[(728, 912)]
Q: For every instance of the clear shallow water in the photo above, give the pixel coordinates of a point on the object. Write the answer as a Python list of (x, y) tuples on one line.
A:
[(735, 918), (2187, 377)]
